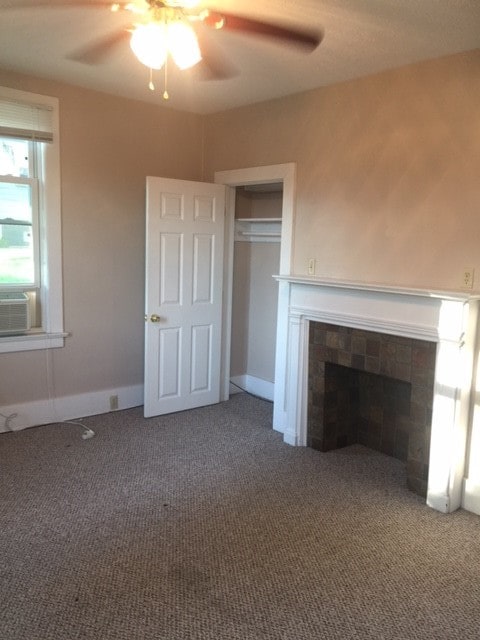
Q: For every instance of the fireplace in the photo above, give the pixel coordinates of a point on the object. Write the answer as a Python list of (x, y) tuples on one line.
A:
[(406, 346), (373, 389)]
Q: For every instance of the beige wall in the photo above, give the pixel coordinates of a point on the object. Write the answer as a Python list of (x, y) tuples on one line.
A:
[(240, 308), (262, 318), (387, 191), (388, 173), (254, 309), (108, 146), (388, 186), (258, 204)]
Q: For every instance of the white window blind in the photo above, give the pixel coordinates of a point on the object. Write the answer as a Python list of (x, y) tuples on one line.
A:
[(26, 121)]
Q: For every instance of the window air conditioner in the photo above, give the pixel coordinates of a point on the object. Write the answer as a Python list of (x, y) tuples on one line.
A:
[(14, 313)]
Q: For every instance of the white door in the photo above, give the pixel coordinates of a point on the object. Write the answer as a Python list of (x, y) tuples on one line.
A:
[(183, 298)]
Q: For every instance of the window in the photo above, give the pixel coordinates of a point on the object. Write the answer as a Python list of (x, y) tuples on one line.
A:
[(19, 229), (30, 237)]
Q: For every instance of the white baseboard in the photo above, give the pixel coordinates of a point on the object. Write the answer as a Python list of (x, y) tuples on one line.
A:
[(290, 437), (251, 384), (471, 496), (31, 414), (233, 389), (439, 502)]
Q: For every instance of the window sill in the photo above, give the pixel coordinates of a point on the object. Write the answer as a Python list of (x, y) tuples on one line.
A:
[(32, 341)]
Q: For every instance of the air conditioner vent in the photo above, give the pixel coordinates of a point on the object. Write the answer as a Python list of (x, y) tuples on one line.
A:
[(14, 313)]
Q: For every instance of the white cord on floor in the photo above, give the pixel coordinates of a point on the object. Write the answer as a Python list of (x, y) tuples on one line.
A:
[(8, 419), (88, 433)]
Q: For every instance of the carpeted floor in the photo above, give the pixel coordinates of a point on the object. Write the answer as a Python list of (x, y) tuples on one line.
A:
[(203, 525)]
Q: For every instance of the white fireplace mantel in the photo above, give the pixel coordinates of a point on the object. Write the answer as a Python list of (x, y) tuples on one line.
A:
[(447, 318)]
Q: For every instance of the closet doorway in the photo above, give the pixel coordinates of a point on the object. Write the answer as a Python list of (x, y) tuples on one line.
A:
[(258, 245), (256, 259)]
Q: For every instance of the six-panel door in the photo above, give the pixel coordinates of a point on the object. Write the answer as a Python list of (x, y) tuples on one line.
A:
[(183, 297)]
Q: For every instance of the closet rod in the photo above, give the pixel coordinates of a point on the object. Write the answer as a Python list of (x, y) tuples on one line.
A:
[(261, 233)]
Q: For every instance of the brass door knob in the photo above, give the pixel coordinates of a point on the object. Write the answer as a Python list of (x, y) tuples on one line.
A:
[(154, 318)]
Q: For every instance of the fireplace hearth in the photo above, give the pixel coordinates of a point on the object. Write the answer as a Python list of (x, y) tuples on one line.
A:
[(373, 389)]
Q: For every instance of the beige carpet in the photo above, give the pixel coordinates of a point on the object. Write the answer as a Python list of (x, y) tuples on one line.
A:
[(203, 525)]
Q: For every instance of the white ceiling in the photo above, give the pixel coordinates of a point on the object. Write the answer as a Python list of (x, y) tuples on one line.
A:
[(361, 37)]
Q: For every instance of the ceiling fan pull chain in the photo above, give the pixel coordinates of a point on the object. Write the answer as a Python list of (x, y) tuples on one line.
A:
[(151, 86), (165, 92)]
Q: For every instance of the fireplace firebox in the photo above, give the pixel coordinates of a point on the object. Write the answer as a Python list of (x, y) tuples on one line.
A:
[(373, 389)]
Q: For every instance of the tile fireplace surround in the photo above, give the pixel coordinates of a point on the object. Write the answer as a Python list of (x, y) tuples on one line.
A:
[(432, 334), (374, 389)]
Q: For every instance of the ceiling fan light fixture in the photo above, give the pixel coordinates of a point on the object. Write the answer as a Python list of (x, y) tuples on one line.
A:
[(149, 44), (183, 44)]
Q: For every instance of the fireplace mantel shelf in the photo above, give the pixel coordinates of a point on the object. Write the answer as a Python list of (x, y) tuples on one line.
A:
[(380, 288)]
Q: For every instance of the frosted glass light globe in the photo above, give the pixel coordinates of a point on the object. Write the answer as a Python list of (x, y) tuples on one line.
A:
[(149, 44), (183, 44)]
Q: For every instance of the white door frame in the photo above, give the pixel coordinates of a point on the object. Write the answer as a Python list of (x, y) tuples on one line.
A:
[(286, 174)]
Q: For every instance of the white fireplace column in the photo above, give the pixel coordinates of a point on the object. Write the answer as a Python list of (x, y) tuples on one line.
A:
[(448, 319)]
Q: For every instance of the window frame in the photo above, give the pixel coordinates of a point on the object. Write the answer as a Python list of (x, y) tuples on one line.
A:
[(51, 334)]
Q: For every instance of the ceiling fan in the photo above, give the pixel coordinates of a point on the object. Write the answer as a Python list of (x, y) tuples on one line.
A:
[(178, 29)]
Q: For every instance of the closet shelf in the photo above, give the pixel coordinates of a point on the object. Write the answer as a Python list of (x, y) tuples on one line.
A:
[(258, 229)]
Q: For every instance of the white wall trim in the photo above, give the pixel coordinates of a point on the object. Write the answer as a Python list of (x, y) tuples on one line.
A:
[(32, 342), (46, 411), (257, 386), (51, 290), (381, 288), (449, 322), (285, 173), (471, 500), (370, 323)]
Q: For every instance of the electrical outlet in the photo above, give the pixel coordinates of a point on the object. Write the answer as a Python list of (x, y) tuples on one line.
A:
[(467, 280), (113, 403), (311, 267)]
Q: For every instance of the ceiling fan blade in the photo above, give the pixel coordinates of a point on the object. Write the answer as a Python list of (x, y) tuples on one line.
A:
[(306, 39), (214, 64), (99, 50), (55, 4)]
